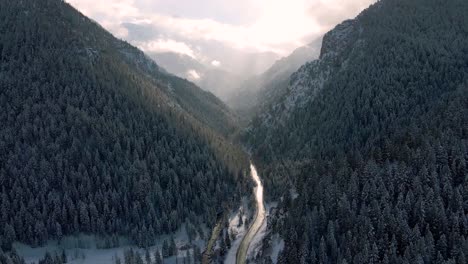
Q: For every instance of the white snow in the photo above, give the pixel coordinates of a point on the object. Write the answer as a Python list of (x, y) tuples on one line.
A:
[(82, 249), (277, 242), (277, 245), (238, 232), (294, 193), (256, 243)]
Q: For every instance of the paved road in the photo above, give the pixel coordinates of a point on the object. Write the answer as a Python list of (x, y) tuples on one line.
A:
[(259, 219)]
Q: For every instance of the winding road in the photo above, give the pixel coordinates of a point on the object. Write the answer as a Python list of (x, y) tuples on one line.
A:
[(258, 222)]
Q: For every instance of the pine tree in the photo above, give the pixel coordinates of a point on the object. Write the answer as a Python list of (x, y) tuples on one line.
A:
[(173, 247), (166, 250), (157, 257), (9, 236), (147, 256)]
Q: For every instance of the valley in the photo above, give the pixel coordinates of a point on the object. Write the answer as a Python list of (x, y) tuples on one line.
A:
[(114, 154)]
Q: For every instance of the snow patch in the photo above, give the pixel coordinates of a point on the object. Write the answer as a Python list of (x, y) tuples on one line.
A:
[(82, 249), (277, 246), (256, 244), (238, 231)]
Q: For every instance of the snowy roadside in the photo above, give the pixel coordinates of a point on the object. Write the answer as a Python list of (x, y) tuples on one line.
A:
[(256, 244), (275, 243), (238, 231)]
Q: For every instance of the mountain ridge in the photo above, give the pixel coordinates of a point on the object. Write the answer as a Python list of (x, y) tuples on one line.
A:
[(255, 94), (367, 152), (96, 138)]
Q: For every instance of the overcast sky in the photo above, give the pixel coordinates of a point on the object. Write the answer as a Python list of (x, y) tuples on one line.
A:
[(198, 27)]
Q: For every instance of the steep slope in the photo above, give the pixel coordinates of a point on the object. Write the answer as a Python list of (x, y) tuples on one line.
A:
[(302, 87), (373, 137), (178, 92), (256, 93), (97, 138)]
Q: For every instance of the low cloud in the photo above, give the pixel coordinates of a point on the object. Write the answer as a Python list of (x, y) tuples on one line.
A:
[(193, 28), (167, 45), (193, 75), (329, 13)]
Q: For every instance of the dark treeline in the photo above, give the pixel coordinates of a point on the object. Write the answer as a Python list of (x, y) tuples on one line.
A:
[(379, 158), (89, 143), (13, 258), (10, 258), (190, 256)]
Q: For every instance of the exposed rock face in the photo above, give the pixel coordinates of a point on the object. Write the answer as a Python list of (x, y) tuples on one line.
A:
[(259, 92), (339, 39), (310, 78), (304, 84), (283, 103)]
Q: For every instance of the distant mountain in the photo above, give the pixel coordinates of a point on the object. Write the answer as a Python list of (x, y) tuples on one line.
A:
[(178, 64), (256, 92), (212, 65), (98, 138), (209, 77), (372, 141), (181, 93)]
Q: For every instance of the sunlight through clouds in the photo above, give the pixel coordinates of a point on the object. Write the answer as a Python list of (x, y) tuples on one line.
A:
[(205, 30), (279, 26)]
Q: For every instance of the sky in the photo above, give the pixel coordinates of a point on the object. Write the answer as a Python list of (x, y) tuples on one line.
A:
[(207, 30)]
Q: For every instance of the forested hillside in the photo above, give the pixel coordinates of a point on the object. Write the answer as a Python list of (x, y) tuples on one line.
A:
[(374, 138), (96, 138), (256, 93)]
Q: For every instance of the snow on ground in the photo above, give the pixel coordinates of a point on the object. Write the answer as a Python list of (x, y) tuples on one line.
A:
[(256, 243), (294, 193), (277, 245), (82, 249), (237, 231)]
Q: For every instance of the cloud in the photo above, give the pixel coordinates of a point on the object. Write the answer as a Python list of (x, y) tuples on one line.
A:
[(194, 28), (107, 8), (272, 25), (110, 14), (167, 45), (216, 63), (274, 30), (117, 29), (331, 12), (193, 75)]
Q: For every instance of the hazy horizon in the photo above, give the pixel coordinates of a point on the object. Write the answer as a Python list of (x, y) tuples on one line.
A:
[(228, 35)]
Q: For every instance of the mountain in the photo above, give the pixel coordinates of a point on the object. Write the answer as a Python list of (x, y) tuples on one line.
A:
[(209, 77), (256, 92), (97, 138), (178, 64), (367, 151), (212, 65), (180, 93)]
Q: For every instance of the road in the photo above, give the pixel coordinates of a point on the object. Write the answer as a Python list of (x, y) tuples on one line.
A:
[(259, 219)]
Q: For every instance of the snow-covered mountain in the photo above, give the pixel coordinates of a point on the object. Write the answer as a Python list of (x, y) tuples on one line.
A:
[(272, 83), (209, 76), (276, 104), (222, 78)]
